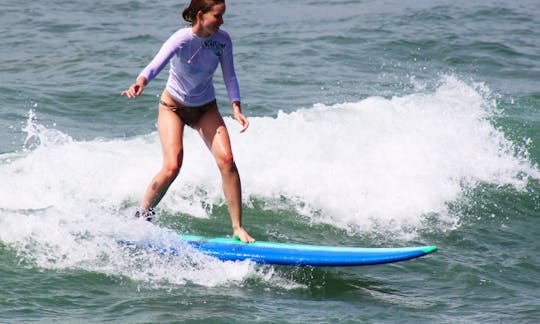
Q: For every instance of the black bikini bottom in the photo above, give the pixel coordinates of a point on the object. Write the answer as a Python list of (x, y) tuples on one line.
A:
[(190, 115)]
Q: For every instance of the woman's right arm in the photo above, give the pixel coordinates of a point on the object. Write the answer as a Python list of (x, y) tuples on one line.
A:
[(157, 64)]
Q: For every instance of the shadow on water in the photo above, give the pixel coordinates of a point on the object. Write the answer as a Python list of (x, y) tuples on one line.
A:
[(333, 282)]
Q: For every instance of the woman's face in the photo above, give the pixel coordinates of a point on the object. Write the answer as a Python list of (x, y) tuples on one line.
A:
[(208, 23)]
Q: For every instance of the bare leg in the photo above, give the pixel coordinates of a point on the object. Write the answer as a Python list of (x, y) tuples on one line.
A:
[(215, 134), (171, 129)]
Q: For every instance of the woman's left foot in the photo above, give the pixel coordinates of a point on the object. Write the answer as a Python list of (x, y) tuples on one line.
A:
[(243, 235)]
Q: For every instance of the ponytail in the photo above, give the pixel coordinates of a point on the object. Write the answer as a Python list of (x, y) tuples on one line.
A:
[(190, 12)]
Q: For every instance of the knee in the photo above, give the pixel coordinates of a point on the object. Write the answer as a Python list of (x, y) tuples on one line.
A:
[(171, 169), (226, 163)]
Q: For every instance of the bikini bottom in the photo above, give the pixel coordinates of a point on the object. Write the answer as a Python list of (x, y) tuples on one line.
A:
[(189, 115)]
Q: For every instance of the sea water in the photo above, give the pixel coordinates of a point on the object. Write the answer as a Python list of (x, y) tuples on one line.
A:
[(372, 123)]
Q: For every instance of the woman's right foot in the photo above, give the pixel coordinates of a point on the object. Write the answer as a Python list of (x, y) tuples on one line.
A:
[(146, 215)]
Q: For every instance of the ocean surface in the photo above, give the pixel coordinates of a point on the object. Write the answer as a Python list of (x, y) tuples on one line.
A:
[(373, 123)]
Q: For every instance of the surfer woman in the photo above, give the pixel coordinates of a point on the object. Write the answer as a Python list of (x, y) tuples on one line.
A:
[(189, 98)]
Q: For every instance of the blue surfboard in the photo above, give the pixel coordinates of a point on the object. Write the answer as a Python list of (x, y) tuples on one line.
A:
[(232, 249)]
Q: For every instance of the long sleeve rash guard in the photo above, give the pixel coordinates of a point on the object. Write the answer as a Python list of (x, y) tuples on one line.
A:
[(193, 61)]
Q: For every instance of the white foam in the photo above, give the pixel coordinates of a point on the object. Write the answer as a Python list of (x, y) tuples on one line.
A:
[(380, 164), (381, 161)]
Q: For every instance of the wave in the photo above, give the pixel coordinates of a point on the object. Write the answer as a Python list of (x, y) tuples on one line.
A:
[(383, 165)]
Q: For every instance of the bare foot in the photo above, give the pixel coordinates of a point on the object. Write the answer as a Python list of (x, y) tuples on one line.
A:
[(243, 235)]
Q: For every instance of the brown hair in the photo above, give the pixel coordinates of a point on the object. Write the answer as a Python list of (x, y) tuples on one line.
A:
[(190, 12)]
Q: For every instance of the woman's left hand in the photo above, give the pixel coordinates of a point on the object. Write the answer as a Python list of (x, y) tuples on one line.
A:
[(237, 108)]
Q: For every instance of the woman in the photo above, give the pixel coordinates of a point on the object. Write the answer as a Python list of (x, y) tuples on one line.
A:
[(189, 98)]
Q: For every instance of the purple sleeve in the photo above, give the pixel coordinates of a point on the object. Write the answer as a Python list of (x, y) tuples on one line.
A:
[(229, 75), (161, 59)]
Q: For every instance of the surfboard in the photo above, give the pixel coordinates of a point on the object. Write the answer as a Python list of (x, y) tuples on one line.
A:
[(232, 249)]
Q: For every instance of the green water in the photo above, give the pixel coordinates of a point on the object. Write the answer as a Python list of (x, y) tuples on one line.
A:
[(376, 124)]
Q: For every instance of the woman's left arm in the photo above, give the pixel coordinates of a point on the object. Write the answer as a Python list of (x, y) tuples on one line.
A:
[(231, 83)]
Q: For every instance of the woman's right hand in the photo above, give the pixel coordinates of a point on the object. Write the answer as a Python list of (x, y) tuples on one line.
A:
[(136, 88)]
